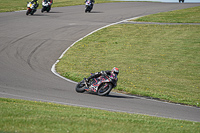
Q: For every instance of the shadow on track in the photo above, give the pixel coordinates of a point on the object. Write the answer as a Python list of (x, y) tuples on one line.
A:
[(96, 12), (38, 15), (54, 12), (114, 95), (125, 96)]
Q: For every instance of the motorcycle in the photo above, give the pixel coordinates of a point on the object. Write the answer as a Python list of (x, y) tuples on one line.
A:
[(46, 6), (101, 85), (31, 9), (88, 6), (181, 1)]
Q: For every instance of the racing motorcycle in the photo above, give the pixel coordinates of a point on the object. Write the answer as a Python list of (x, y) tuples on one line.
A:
[(31, 9), (101, 85), (181, 1), (46, 6), (88, 6)]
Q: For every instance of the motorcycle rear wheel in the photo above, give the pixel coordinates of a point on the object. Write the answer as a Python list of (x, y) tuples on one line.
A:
[(80, 87), (48, 9), (104, 89), (42, 9)]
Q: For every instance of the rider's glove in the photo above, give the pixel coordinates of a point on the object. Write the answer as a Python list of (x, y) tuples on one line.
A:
[(87, 80)]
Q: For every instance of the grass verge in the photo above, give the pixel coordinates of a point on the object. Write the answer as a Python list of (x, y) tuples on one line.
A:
[(38, 117), (160, 61), (189, 15)]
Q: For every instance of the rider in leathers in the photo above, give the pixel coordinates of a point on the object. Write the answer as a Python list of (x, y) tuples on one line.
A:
[(92, 3), (51, 2), (35, 2), (113, 75)]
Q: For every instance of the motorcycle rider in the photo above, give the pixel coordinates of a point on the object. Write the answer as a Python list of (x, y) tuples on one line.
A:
[(51, 1), (181, 1), (113, 75), (35, 2), (92, 3)]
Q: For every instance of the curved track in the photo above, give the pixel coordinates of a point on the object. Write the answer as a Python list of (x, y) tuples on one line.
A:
[(30, 45)]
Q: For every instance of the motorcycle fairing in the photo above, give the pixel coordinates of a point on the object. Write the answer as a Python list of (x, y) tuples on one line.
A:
[(30, 5), (97, 82)]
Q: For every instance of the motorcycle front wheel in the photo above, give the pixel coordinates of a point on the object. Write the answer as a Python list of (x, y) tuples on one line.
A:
[(27, 12), (104, 89), (80, 87)]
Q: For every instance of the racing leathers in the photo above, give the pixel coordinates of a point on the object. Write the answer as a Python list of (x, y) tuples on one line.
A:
[(92, 3), (35, 2), (51, 1)]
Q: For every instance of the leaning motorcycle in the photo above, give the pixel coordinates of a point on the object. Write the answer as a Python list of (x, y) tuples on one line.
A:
[(31, 9), (181, 1), (46, 6), (101, 85), (88, 6)]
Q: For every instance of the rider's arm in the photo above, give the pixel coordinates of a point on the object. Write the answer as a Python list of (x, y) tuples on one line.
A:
[(97, 74), (94, 75), (108, 72)]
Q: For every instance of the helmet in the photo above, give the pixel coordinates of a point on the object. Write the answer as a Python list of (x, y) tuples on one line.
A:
[(115, 70)]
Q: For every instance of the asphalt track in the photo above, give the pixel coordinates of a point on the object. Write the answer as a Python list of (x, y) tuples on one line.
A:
[(30, 45)]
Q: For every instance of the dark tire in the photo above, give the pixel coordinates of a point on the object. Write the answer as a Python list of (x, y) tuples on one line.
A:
[(80, 87), (48, 9), (27, 12), (42, 9), (104, 89), (33, 11)]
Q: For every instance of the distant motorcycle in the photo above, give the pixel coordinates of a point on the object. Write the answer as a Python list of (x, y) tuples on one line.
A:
[(101, 85), (181, 1), (31, 8), (46, 6), (88, 6)]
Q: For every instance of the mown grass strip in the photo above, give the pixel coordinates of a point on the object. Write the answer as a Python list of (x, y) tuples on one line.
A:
[(38, 117), (189, 15)]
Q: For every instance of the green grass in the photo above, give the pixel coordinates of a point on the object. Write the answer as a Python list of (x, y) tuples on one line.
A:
[(160, 61), (189, 15), (15, 5), (38, 117)]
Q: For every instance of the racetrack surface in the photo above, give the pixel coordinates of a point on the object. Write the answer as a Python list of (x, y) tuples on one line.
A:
[(30, 45)]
